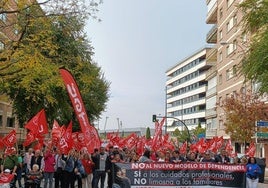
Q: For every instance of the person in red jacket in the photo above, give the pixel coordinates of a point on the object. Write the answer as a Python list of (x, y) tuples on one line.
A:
[(88, 165), (49, 163)]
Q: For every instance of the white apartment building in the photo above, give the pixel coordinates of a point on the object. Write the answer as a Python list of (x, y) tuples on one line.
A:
[(186, 87)]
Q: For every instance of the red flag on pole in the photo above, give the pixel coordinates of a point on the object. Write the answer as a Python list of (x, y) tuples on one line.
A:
[(66, 141), (251, 150), (30, 138), (38, 124), (10, 139), (91, 135)]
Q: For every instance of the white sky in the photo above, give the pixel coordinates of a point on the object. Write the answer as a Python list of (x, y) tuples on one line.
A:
[(136, 42)]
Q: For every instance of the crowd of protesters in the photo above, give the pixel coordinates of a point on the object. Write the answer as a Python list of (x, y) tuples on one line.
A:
[(89, 170)]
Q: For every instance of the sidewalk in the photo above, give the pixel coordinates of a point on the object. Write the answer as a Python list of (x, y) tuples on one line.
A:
[(265, 183)]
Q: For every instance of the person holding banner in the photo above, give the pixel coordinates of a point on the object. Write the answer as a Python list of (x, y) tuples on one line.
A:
[(253, 173)]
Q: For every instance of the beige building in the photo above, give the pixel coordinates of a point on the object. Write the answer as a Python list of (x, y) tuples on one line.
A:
[(8, 33), (230, 46)]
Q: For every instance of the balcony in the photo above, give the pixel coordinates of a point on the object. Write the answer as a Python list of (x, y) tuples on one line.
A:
[(212, 12), (210, 113), (211, 92), (212, 35), (211, 72)]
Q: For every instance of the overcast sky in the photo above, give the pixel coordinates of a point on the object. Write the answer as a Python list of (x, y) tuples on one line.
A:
[(136, 42)]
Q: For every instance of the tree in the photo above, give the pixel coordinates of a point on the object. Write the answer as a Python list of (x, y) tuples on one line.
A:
[(181, 136), (255, 22), (148, 133), (30, 63), (198, 130), (242, 111)]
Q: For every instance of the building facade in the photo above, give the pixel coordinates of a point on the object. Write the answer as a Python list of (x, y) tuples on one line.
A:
[(8, 34), (230, 47), (186, 91)]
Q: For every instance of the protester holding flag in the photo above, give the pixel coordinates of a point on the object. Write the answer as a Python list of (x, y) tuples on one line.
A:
[(10, 160), (49, 163), (253, 173)]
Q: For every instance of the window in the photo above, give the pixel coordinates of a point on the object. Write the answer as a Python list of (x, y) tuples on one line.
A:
[(221, 124), (1, 120), (3, 17), (230, 48), (15, 29), (10, 122), (229, 3), (234, 45), (229, 74), (2, 46), (235, 19), (220, 56), (221, 13), (230, 24), (234, 70), (220, 34), (220, 101), (220, 79)]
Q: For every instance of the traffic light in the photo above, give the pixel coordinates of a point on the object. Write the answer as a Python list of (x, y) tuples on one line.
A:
[(154, 118)]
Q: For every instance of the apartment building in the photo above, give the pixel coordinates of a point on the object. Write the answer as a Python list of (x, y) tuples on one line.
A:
[(231, 43), (186, 91)]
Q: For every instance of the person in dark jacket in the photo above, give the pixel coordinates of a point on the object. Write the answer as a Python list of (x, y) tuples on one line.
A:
[(99, 170), (37, 158), (222, 157)]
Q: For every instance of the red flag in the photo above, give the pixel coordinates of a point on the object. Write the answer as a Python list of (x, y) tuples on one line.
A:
[(183, 148), (10, 151), (91, 135), (251, 150), (10, 139), (38, 124), (140, 145), (30, 138), (56, 132), (158, 134), (6, 178), (66, 141), (228, 146), (129, 141)]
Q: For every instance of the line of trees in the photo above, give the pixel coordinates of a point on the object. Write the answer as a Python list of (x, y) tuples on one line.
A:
[(39, 39)]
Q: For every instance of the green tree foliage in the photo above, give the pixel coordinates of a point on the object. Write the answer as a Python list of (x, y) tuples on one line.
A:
[(242, 111), (255, 21), (148, 133), (30, 63), (198, 130), (181, 136)]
